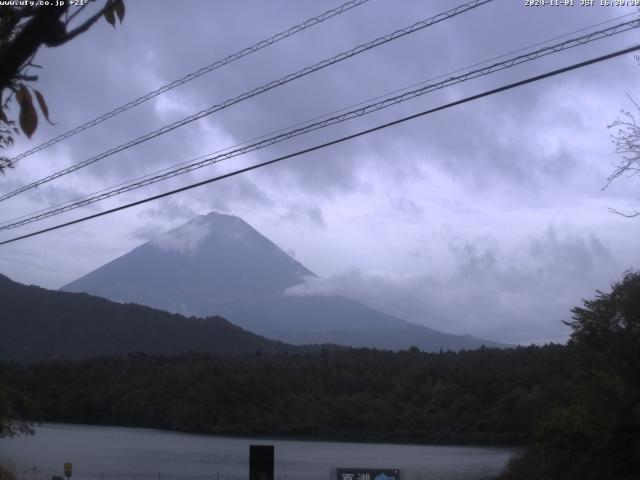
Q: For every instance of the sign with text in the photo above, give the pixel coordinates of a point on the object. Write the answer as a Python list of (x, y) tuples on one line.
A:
[(367, 474)]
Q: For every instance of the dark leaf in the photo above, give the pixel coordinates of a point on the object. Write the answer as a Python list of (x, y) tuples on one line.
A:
[(110, 16), (119, 8), (3, 116), (28, 115), (43, 106)]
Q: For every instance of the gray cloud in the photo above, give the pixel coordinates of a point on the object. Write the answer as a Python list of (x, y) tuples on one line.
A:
[(487, 218), (514, 296), (184, 240), (311, 214)]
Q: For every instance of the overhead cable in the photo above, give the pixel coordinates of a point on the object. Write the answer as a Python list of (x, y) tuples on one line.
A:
[(333, 142), (257, 91), (310, 22), (358, 112)]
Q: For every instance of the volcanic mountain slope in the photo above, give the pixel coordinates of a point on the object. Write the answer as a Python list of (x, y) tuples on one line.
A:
[(219, 265), (38, 324)]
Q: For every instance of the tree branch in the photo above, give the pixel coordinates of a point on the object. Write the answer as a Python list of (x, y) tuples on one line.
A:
[(43, 27), (626, 215), (87, 24), (78, 10), (27, 78)]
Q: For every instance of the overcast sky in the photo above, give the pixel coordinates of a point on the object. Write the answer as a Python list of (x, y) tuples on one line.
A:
[(487, 219)]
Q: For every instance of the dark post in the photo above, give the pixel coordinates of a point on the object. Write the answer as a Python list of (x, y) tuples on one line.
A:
[(261, 462), (67, 470)]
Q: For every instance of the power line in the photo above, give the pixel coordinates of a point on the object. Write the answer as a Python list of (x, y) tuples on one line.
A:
[(363, 102), (334, 142), (358, 112), (310, 22), (343, 109), (150, 179), (252, 93)]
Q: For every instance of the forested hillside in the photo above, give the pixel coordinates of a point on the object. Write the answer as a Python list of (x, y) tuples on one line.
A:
[(577, 406), (596, 436), (488, 395), (40, 324)]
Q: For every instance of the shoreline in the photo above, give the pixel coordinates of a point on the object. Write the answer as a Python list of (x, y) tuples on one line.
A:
[(372, 440)]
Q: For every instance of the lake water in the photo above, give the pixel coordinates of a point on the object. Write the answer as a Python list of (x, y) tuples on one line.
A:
[(116, 453)]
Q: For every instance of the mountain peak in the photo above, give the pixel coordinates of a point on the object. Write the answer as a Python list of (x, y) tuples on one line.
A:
[(220, 219), (214, 256), (205, 232), (214, 214), (218, 264)]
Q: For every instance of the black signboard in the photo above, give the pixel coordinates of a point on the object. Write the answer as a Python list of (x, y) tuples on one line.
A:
[(260, 462), (367, 474)]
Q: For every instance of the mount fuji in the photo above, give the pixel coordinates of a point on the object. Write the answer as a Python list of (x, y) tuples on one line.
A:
[(219, 265)]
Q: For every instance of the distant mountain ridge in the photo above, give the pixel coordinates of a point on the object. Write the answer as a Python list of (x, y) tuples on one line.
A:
[(38, 324), (219, 265)]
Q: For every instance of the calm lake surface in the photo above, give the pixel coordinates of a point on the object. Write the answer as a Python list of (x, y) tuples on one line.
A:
[(116, 453)]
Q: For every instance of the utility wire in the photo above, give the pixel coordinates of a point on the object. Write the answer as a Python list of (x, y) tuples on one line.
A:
[(252, 93), (363, 102), (150, 179), (310, 22), (343, 109), (334, 142), (358, 112)]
